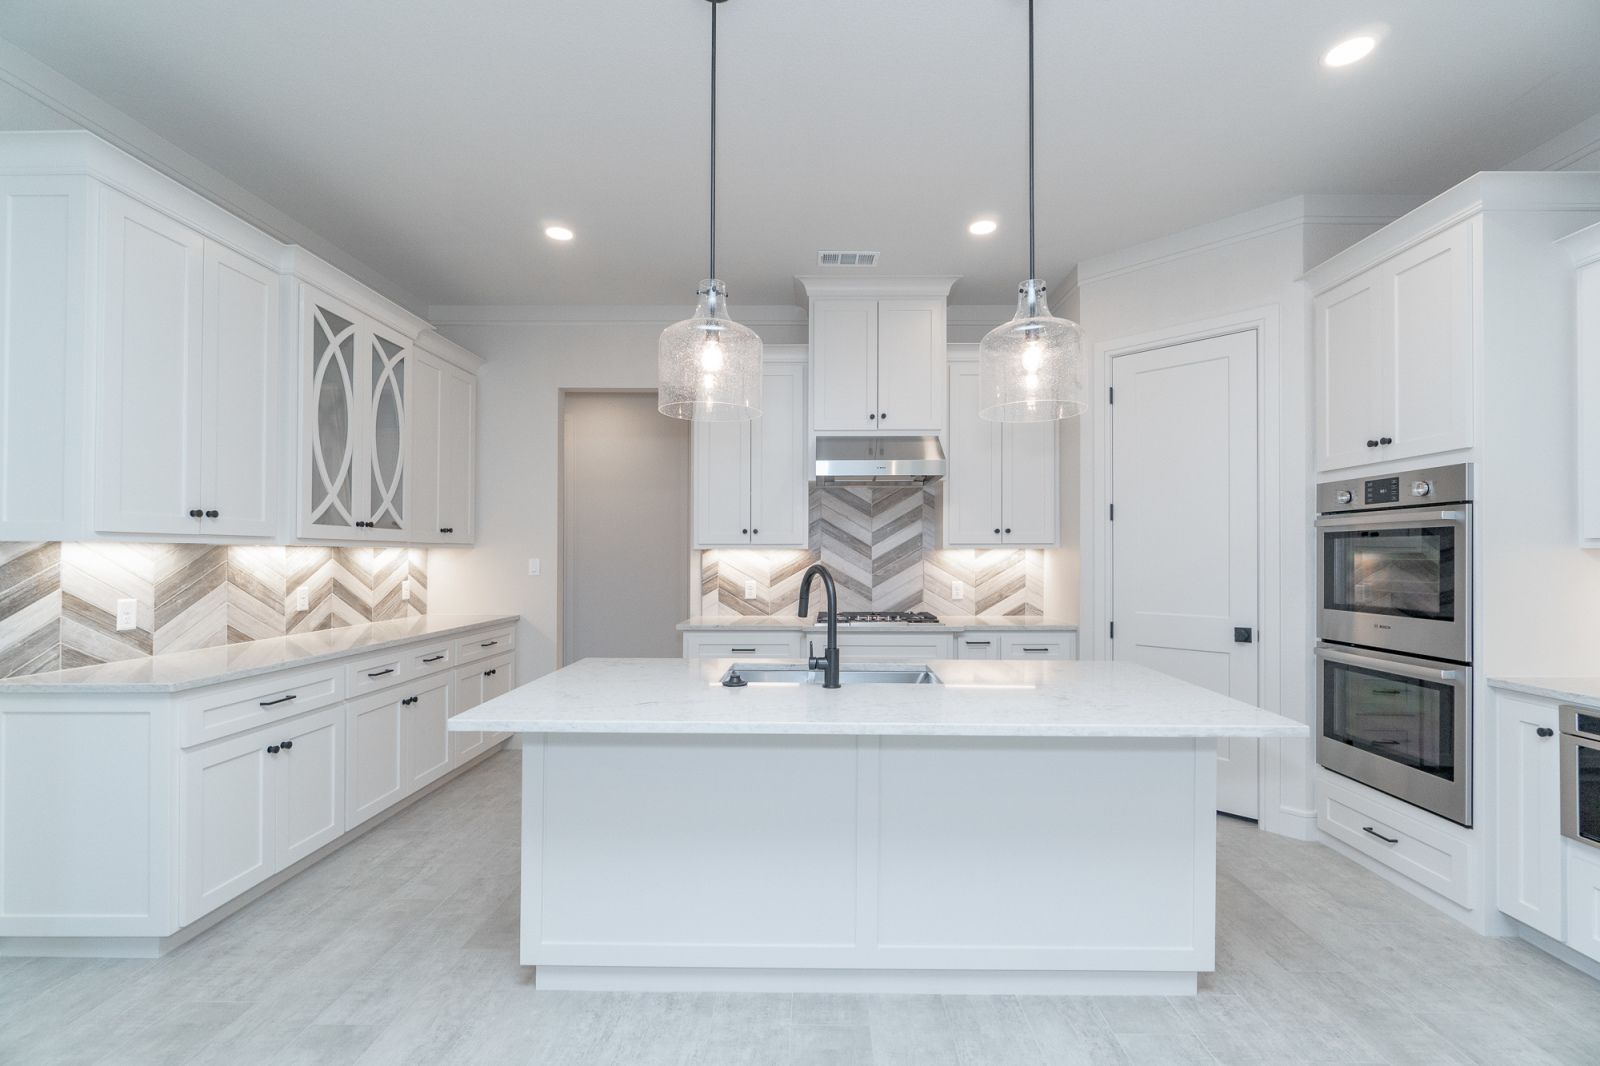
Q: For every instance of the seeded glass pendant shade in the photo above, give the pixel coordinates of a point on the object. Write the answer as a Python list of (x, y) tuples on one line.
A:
[(1031, 368), (708, 367)]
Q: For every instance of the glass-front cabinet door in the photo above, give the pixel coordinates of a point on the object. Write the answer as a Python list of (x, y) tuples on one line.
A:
[(386, 470)]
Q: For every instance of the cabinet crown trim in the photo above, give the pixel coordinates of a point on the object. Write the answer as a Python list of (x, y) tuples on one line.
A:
[(812, 286)]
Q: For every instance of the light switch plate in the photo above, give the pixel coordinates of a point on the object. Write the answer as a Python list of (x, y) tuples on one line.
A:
[(302, 598), (127, 615), (533, 568), (749, 590), (958, 590)]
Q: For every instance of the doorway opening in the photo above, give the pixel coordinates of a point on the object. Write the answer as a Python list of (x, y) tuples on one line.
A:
[(624, 502)]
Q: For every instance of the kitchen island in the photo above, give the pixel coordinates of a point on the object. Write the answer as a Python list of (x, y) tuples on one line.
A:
[(1042, 827)]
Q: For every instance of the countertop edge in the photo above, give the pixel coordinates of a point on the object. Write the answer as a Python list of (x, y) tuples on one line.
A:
[(21, 686), (764, 622), (465, 723), (1550, 688)]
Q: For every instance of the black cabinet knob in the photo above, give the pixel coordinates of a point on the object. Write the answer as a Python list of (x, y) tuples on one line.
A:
[(873, 418), (1545, 731), (195, 513), (744, 531), (286, 745), (272, 749), (1386, 441), (213, 514), (997, 529), (1372, 444), (882, 415), (1008, 529), (754, 530)]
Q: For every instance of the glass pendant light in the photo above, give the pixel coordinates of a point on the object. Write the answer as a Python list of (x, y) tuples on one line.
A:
[(708, 365), (1031, 368)]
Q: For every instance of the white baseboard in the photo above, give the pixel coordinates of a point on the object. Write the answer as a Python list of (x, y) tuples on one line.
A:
[(948, 982)]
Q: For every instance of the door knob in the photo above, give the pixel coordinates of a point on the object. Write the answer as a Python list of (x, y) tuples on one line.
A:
[(1243, 635)]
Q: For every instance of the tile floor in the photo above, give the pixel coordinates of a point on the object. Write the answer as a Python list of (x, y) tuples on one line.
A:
[(402, 949)]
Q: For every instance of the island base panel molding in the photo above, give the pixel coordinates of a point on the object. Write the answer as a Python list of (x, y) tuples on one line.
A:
[(867, 863)]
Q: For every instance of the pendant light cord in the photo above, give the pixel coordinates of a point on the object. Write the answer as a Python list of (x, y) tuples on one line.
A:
[(713, 266), (1032, 266)]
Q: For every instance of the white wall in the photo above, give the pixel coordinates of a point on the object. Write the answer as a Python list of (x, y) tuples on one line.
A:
[(1239, 269)]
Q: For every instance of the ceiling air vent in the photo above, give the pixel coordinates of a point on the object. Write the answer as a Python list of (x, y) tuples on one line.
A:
[(847, 259)]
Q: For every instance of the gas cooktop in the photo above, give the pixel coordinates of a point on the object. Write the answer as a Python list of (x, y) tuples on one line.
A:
[(895, 617)]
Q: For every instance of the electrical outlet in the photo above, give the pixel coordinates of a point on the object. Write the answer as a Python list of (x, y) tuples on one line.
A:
[(958, 591), (302, 598), (127, 615), (749, 590), (533, 568), (405, 588)]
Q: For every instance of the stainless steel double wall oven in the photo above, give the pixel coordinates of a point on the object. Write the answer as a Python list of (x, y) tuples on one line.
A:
[(1394, 622)]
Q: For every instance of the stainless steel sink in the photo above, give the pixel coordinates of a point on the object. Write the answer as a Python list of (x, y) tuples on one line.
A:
[(798, 674)]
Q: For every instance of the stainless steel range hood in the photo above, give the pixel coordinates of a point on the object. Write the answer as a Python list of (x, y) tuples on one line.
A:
[(879, 460)]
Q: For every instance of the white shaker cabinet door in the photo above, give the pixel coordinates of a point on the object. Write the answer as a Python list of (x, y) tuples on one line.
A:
[(457, 456), (148, 436), (469, 693), (779, 512), (425, 723), (1031, 512), (1350, 362), (911, 366), (427, 440), (310, 765), (1529, 871), (974, 479), (230, 820), (721, 484), (242, 383), (844, 365), (1430, 300), (375, 775)]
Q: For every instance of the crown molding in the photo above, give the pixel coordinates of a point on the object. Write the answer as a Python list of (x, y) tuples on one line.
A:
[(602, 314), (809, 286), (1562, 150)]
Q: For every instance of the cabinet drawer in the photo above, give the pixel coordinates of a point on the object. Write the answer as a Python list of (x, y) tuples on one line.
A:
[(978, 646), (1052, 645), (482, 645), (1583, 899), (221, 712), (426, 660), (894, 647), (721, 645), (1410, 844), (379, 671)]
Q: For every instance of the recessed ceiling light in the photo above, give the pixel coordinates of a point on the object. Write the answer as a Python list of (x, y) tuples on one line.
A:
[(558, 233), (983, 227), (1353, 50)]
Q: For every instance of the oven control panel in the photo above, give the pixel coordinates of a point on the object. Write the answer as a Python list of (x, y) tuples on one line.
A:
[(1434, 486)]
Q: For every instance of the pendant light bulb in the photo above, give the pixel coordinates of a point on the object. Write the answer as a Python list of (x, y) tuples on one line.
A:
[(708, 366), (1031, 368)]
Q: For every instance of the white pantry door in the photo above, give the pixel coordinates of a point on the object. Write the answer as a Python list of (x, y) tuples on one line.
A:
[(1184, 527)]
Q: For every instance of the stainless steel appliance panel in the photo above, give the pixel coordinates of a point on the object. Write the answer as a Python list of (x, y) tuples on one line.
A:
[(1580, 775)]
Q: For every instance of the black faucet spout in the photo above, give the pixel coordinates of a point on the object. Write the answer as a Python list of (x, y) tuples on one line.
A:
[(829, 661)]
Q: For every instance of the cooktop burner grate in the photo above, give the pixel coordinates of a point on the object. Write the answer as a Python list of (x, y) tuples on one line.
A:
[(900, 617)]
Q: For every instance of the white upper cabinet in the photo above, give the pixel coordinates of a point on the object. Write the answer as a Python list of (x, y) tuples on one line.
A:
[(442, 415), (1395, 348), (149, 380), (1001, 487), (878, 355), (750, 477), (354, 450), (1584, 248)]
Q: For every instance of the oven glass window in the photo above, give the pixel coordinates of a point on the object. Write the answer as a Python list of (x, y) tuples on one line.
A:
[(1405, 572), (1589, 793), (1409, 721)]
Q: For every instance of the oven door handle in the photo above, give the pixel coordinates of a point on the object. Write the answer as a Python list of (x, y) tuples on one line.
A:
[(1402, 519), (1370, 662)]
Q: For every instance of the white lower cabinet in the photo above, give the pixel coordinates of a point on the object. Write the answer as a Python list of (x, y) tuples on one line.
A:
[(1529, 874), (474, 685), (752, 644), (1039, 644), (977, 646), (894, 647), (377, 775), (1583, 900), (1433, 853), (425, 740), (257, 803)]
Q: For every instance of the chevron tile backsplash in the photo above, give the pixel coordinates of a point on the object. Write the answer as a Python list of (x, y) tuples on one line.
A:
[(880, 546), (58, 602)]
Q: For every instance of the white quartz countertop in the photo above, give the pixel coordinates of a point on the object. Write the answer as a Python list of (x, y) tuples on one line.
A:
[(1581, 690), (177, 671), (976, 698), (947, 623)]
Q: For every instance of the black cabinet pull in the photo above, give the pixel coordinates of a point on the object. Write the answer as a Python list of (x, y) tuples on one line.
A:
[(1545, 731), (409, 700), (743, 651), (1386, 441), (979, 643), (1036, 649), (433, 659), (196, 513), (1380, 836), (287, 745), (490, 673), (1372, 444), (447, 529), (272, 749), (213, 514), (380, 673), (488, 644), (280, 699)]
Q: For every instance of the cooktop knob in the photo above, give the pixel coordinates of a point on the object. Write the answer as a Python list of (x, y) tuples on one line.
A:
[(1421, 488), (1344, 496)]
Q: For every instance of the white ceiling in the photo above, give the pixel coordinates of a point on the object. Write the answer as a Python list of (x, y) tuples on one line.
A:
[(433, 141)]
